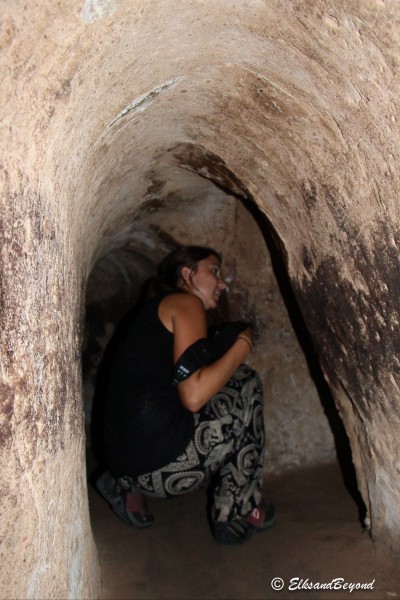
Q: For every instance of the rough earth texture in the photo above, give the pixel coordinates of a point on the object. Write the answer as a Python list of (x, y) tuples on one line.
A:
[(117, 118)]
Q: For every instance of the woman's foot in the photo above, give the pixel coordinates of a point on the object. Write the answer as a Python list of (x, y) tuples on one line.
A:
[(262, 517), (137, 510), (129, 507), (239, 531)]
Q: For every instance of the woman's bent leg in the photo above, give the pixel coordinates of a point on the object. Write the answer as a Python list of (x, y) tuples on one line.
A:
[(228, 446), (228, 443), (230, 434), (181, 476)]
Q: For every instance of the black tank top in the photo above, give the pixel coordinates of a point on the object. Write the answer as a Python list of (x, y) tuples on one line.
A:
[(146, 425)]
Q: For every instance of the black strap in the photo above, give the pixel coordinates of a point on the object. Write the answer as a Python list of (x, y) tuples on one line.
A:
[(207, 350)]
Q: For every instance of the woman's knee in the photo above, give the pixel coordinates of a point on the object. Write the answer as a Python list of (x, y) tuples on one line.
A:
[(244, 374)]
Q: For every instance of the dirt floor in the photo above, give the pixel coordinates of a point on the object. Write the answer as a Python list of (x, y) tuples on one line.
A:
[(317, 539)]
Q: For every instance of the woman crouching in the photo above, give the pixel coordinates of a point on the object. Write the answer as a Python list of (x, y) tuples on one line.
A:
[(182, 409)]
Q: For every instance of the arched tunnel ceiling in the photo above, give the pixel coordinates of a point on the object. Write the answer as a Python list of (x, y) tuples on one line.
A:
[(282, 93)]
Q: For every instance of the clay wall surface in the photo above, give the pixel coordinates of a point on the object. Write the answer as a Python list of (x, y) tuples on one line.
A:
[(119, 116)]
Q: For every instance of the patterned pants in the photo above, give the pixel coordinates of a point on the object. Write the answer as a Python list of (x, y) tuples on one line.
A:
[(227, 449)]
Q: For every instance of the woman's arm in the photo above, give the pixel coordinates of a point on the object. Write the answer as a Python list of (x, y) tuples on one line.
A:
[(184, 315)]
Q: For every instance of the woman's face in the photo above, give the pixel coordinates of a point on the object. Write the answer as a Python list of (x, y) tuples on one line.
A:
[(205, 282)]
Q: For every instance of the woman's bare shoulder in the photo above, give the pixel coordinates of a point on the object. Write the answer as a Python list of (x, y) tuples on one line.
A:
[(182, 301), (180, 308)]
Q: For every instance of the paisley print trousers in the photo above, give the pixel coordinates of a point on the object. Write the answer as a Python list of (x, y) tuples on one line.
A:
[(227, 451)]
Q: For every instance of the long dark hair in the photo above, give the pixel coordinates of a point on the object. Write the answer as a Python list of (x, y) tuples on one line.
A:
[(168, 278)]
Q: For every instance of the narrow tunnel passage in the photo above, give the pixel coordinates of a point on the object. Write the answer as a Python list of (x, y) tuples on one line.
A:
[(297, 428), (305, 436), (120, 121)]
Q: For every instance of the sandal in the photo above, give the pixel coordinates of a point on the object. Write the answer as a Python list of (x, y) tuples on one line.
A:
[(239, 531), (262, 517), (231, 533), (129, 507)]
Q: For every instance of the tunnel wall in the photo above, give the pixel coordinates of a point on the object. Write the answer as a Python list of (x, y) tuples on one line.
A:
[(299, 100)]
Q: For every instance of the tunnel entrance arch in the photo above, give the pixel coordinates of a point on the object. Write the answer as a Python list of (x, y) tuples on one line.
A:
[(199, 200)]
